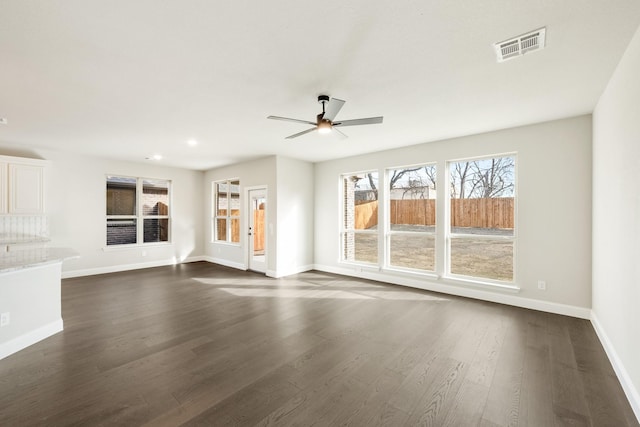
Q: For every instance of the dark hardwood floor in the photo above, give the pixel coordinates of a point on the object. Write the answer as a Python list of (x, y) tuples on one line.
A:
[(203, 345)]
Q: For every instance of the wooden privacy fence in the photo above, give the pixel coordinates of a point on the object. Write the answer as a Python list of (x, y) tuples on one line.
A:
[(495, 212), (258, 230), (422, 212), (482, 213)]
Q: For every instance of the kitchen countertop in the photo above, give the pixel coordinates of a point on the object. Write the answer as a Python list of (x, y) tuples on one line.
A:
[(16, 239), (20, 259)]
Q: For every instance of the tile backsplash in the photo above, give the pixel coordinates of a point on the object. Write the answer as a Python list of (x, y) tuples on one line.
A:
[(23, 228)]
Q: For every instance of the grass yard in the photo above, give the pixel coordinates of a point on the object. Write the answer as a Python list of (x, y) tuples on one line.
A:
[(491, 259)]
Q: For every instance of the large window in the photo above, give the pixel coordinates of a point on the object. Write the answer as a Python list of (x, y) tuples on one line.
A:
[(359, 235), (137, 210), (469, 235), (412, 217), (482, 231), (226, 221)]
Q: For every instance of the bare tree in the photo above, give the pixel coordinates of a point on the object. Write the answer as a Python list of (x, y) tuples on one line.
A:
[(459, 177), (397, 175), (483, 178), (495, 180), (430, 172), (372, 184), (416, 181)]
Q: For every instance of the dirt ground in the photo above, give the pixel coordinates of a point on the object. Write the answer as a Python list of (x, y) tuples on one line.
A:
[(471, 257)]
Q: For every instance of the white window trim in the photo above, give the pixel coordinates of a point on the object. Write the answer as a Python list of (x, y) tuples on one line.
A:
[(387, 266), (228, 217), (442, 233), (140, 217), (344, 230), (449, 235)]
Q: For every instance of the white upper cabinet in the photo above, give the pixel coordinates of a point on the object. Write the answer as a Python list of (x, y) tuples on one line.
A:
[(3, 188), (21, 186)]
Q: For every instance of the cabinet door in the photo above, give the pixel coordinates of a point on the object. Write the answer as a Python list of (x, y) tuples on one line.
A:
[(26, 192), (3, 188)]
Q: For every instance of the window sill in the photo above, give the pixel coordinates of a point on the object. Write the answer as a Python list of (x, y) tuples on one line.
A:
[(219, 242), (135, 246), (411, 273), (477, 283), (360, 265)]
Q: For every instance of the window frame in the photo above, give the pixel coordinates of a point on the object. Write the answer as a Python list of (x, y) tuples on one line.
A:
[(227, 217), (450, 236), (139, 216), (388, 232), (344, 230)]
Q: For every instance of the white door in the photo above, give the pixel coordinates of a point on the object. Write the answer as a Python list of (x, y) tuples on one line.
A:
[(257, 233)]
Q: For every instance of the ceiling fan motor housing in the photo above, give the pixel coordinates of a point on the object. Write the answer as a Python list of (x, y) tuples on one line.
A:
[(323, 98)]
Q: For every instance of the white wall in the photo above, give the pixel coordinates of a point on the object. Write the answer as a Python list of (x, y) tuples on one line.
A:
[(32, 297), (289, 230), (553, 211), (616, 220), (295, 216), (75, 203), (260, 172)]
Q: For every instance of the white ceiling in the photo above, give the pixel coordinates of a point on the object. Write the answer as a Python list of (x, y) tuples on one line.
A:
[(130, 78)]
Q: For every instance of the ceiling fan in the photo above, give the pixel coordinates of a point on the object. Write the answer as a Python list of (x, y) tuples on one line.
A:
[(325, 121)]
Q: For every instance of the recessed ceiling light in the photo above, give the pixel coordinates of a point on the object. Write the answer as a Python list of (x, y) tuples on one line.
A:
[(192, 142), (154, 157), (3, 121)]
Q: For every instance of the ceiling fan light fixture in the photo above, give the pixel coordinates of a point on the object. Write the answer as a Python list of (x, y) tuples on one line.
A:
[(325, 121), (324, 127)]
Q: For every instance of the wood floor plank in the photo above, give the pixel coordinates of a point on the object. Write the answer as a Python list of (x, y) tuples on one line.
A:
[(439, 396), (201, 344), (536, 404), (468, 405), (503, 402)]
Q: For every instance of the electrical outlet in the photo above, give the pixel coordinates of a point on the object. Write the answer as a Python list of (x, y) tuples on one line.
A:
[(542, 285), (144, 253), (5, 319)]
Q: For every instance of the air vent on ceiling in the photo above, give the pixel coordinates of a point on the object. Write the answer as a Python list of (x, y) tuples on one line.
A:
[(520, 45)]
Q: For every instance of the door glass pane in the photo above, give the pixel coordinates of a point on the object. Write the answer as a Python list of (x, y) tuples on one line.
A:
[(490, 259), (121, 196), (413, 251), (258, 207), (121, 232)]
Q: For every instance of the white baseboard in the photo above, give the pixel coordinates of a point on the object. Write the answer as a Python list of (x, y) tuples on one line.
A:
[(225, 262), (126, 267), (296, 270), (30, 338), (623, 375), (502, 297)]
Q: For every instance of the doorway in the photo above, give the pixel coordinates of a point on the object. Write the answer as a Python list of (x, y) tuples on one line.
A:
[(257, 235)]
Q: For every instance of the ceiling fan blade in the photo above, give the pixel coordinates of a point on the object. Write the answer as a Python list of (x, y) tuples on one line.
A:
[(295, 135), (333, 108), (287, 119), (358, 122), (339, 132)]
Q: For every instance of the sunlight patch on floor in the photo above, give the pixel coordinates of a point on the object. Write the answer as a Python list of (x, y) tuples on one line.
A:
[(327, 293)]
